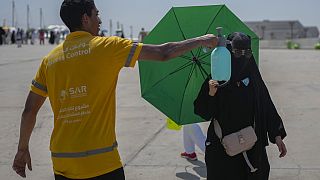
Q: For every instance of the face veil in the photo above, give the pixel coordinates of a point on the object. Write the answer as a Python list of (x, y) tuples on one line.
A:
[(241, 55)]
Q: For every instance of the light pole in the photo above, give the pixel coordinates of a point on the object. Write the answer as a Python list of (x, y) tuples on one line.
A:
[(4, 22), (28, 17), (40, 18), (110, 27), (131, 32), (291, 27), (13, 9)]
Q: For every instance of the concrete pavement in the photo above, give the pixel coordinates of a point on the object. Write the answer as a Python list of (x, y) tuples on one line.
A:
[(148, 149)]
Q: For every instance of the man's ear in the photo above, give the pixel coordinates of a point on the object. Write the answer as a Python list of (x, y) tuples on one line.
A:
[(85, 19)]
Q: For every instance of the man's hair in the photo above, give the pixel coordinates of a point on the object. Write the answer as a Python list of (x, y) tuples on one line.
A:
[(71, 12)]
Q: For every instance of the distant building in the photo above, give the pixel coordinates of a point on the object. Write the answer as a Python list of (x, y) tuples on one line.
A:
[(282, 30), (311, 32)]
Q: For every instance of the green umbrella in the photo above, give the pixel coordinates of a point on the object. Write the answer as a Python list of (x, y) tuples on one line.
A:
[(172, 86)]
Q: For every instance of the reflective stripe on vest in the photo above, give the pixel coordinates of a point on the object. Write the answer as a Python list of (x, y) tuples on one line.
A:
[(85, 153), (39, 86), (131, 54)]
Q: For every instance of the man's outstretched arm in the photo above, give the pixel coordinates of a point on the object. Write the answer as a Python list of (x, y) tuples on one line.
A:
[(28, 120), (171, 50)]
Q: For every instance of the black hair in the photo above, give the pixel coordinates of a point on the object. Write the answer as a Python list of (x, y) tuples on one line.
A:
[(71, 12)]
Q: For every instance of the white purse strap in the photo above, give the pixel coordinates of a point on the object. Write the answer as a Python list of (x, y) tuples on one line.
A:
[(217, 129), (252, 169)]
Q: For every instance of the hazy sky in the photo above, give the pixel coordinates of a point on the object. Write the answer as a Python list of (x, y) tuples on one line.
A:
[(147, 13)]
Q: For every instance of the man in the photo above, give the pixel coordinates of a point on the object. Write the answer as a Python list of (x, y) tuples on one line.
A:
[(79, 76), (142, 35), (41, 36), (2, 33)]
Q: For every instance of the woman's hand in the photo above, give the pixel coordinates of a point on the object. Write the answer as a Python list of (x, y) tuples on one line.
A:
[(281, 146), (213, 87)]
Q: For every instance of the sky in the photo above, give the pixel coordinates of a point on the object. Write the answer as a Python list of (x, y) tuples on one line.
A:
[(147, 13)]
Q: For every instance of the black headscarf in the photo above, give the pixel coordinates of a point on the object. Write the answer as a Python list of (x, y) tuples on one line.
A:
[(239, 65)]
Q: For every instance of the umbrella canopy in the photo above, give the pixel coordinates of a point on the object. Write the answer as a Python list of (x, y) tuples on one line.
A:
[(172, 86)]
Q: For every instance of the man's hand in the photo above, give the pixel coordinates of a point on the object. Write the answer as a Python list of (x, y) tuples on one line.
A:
[(213, 87), (22, 159), (281, 146), (28, 120), (209, 41)]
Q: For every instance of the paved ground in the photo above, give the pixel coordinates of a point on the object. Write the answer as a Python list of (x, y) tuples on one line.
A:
[(148, 149)]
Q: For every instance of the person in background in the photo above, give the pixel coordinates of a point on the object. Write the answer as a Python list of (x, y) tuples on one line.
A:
[(57, 37), (192, 135), (2, 33), (52, 37), (19, 37), (142, 35), (33, 37), (41, 37), (13, 37)]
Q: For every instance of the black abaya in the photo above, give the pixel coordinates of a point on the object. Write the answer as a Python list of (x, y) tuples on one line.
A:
[(236, 106)]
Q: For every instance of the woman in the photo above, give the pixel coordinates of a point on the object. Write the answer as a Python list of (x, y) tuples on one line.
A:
[(245, 101)]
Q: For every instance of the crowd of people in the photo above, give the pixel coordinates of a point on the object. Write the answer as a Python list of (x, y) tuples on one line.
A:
[(20, 37)]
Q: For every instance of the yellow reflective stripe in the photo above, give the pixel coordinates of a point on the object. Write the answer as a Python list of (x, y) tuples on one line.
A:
[(131, 54), (85, 153)]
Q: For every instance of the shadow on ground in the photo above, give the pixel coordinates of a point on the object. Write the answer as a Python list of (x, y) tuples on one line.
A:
[(199, 169)]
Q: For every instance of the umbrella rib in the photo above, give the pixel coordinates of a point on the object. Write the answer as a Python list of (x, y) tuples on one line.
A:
[(185, 88), (184, 37), (198, 55), (214, 18), (201, 68), (186, 57), (201, 72), (210, 26), (175, 71), (204, 56), (180, 28), (182, 67), (203, 62), (198, 51)]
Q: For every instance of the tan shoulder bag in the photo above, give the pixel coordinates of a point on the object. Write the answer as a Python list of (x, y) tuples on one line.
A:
[(238, 142)]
